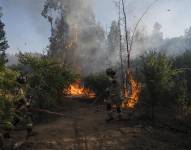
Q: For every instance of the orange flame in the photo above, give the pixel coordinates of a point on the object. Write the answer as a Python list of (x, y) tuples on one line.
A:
[(132, 96), (76, 89)]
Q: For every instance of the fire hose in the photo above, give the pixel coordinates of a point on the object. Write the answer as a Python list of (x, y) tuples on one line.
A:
[(46, 111), (51, 113)]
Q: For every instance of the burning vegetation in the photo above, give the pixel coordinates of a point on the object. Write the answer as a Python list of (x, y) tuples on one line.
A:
[(78, 44), (78, 90), (131, 96)]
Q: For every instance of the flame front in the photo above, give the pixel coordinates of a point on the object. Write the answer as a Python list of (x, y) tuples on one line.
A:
[(76, 89), (132, 95)]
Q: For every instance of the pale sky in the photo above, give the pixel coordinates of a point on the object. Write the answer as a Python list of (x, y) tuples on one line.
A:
[(27, 30)]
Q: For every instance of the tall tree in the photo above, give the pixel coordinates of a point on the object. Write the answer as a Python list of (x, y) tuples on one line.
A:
[(159, 73), (113, 38), (59, 28), (3, 42), (157, 35)]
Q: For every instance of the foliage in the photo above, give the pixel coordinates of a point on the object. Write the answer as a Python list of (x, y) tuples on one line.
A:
[(7, 86), (98, 83), (183, 62), (6, 112), (158, 73), (46, 79), (113, 38), (159, 76), (7, 80), (3, 43)]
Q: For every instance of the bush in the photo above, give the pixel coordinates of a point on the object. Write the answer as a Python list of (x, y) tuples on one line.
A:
[(46, 79), (7, 93), (183, 62), (98, 83), (159, 78)]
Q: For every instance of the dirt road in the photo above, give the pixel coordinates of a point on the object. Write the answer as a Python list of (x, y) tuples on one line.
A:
[(84, 128)]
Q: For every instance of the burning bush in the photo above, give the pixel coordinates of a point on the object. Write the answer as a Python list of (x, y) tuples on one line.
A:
[(133, 94), (78, 89)]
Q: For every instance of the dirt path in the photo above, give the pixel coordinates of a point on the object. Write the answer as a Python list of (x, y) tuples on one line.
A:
[(83, 128)]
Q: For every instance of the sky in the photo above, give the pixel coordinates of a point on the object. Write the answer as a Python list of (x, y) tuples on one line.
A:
[(28, 31)]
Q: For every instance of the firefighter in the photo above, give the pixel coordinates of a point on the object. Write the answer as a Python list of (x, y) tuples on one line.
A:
[(22, 106), (28, 117), (114, 96)]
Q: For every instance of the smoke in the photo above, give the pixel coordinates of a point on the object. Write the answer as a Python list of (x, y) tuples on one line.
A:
[(88, 52), (145, 41), (86, 39), (82, 42)]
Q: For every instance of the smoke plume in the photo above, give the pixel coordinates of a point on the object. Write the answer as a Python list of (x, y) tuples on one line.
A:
[(77, 39)]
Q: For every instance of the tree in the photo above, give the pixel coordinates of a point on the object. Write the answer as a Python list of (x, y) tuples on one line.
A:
[(59, 29), (187, 33), (158, 73), (113, 38), (76, 36), (130, 34), (157, 36), (3, 43), (183, 62), (58, 39)]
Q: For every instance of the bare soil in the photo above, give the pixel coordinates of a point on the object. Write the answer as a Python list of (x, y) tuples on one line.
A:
[(84, 128)]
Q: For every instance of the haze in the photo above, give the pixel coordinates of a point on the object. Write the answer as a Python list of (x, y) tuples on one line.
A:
[(24, 22)]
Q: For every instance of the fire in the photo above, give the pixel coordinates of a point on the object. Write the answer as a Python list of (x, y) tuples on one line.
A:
[(132, 96), (76, 89)]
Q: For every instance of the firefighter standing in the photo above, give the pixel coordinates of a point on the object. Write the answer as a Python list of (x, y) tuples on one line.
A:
[(114, 96), (23, 103)]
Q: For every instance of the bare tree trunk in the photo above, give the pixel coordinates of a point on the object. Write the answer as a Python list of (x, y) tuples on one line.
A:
[(120, 50), (127, 70), (126, 35)]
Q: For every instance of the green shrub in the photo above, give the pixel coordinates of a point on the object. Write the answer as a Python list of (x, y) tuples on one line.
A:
[(98, 83), (46, 79), (159, 78), (7, 93)]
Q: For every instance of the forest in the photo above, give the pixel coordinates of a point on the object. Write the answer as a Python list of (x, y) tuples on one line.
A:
[(64, 97)]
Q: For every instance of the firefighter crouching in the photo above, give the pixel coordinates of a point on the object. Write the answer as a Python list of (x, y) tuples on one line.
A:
[(113, 96)]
